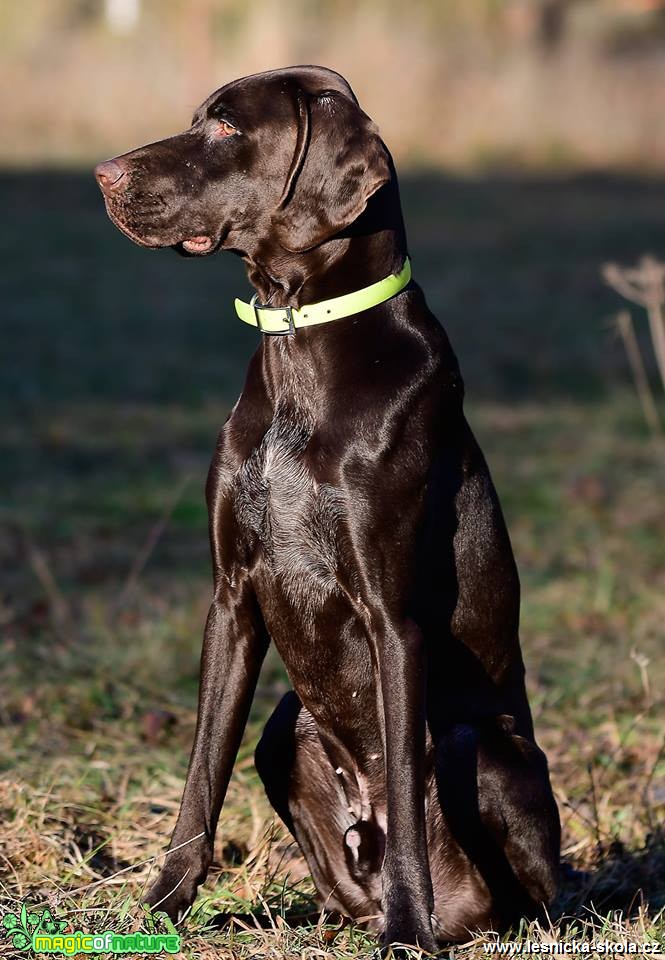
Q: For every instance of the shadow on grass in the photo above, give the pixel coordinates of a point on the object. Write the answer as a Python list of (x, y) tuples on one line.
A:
[(122, 363), (509, 263), (629, 881)]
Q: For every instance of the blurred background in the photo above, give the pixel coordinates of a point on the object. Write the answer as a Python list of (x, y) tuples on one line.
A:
[(530, 142), (481, 82)]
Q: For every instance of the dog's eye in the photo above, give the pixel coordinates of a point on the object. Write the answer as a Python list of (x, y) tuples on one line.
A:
[(225, 129)]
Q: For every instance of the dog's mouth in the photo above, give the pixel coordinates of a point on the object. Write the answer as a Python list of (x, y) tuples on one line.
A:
[(143, 240), (198, 245)]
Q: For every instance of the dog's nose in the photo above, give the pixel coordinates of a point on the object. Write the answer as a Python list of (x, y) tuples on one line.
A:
[(112, 176)]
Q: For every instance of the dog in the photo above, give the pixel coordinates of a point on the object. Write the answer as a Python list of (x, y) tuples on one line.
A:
[(354, 523)]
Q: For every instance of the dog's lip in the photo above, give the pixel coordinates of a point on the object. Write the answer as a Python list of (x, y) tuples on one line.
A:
[(198, 244), (151, 242)]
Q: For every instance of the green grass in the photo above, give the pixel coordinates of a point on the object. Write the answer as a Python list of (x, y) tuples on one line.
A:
[(119, 368)]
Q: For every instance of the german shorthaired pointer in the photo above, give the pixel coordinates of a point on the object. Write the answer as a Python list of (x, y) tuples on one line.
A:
[(353, 522)]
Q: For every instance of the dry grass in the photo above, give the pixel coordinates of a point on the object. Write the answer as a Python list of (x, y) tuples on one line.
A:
[(87, 812)]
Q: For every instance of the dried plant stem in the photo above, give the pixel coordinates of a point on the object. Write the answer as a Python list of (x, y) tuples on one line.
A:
[(642, 385), (146, 551), (44, 574), (594, 806), (645, 286), (657, 327)]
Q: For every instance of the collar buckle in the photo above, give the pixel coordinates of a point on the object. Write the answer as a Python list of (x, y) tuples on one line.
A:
[(288, 331)]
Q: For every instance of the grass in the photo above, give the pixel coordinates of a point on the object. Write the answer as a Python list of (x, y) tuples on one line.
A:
[(120, 367)]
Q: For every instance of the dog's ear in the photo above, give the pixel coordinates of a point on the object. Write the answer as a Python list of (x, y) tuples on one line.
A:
[(338, 163)]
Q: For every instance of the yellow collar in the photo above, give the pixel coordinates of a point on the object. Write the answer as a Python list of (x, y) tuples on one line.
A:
[(281, 320)]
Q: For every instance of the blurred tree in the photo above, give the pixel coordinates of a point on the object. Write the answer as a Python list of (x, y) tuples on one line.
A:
[(80, 13), (552, 22)]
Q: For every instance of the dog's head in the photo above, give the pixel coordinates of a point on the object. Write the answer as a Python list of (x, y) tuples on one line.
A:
[(286, 156)]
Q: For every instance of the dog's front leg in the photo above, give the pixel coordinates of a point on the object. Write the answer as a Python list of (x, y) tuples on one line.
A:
[(407, 884), (234, 646)]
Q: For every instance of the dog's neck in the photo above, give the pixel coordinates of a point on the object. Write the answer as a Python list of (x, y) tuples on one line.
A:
[(371, 248), (299, 371)]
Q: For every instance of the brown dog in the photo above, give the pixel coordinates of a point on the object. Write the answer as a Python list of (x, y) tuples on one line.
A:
[(353, 521)]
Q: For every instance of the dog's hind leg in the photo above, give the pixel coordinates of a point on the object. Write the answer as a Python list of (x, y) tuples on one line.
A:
[(503, 827), (275, 755), (343, 854), (519, 810)]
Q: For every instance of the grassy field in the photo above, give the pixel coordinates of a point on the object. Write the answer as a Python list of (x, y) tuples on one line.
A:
[(120, 365)]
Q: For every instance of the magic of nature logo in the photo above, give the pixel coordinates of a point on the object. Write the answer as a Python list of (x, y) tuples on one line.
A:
[(41, 932)]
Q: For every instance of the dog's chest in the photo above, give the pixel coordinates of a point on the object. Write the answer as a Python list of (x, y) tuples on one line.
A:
[(284, 510)]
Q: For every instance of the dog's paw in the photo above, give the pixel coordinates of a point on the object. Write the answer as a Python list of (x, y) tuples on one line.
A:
[(407, 942), (397, 951), (184, 870), (173, 892)]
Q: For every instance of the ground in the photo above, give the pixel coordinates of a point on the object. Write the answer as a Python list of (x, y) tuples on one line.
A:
[(120, 365)]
